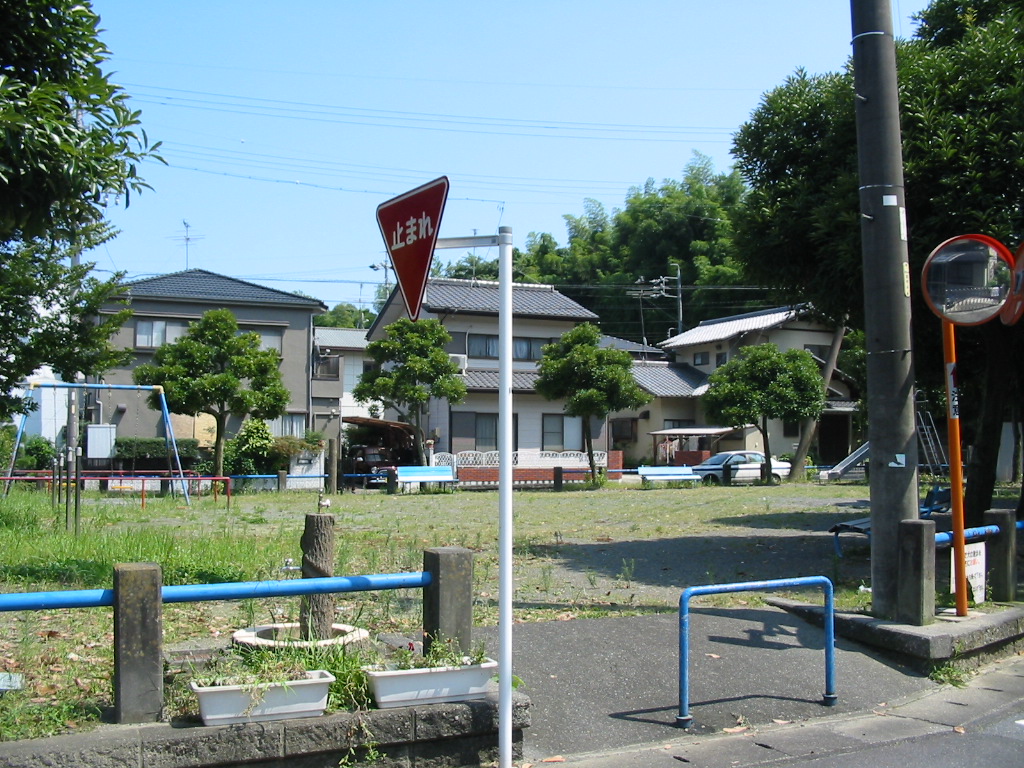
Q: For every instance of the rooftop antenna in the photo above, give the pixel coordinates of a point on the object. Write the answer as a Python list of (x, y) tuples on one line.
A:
[(187, 239)]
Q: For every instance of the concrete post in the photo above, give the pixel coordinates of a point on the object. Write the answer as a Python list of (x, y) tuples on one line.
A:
[(165, 488), (448, 600), (392, 482), (282, 480), (726, 474), (138, 643), (916, 595), (558, 478), (1001, 555)]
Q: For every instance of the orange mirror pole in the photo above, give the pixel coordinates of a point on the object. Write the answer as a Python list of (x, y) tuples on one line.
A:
[(956, 468)]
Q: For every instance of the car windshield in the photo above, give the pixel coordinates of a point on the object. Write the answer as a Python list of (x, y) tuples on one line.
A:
[(719, 458)]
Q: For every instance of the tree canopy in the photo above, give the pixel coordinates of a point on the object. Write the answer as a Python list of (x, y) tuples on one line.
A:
[(214, 369), (762, 383), (345, 316), (70, 144), (591, 379), (412, 367), (961, 82)]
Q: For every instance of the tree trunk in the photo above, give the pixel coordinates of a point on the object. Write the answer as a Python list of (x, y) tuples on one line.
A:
[(766, 468), (810, 426), (981, 468), (316, 612), (218, 443), (588, 441)]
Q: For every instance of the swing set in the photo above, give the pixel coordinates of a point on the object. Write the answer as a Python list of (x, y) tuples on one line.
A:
[(176, 472)]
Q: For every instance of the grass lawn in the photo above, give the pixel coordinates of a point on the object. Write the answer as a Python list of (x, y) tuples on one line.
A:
[(614, 551)]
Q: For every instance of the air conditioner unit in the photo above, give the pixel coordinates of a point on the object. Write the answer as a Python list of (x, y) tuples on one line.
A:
[(460, 362)]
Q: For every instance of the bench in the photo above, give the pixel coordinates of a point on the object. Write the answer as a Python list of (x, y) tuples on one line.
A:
[(936, 500), (441, 475), (669, 474)]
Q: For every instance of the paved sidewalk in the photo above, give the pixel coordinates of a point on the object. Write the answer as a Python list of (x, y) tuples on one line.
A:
[(605, 692)]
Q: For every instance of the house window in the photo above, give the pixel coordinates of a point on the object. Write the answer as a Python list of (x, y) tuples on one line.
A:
[(553, 432), (289, 425), (701, 358), (623, 430), (678, 423), (156, 333), (525, 348), (328, 367), (721, 358), (482, 345), (486, 431)]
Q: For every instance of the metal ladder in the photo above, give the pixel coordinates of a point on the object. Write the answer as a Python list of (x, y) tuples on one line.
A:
[(933, 453)]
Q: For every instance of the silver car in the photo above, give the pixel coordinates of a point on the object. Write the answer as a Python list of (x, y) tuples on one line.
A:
[(744, 467)]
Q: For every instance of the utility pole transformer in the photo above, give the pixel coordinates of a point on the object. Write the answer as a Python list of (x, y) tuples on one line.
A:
[(891, 425)]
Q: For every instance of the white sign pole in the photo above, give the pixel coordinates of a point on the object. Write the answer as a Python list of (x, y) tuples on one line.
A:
[(505, 496), (505, 447)]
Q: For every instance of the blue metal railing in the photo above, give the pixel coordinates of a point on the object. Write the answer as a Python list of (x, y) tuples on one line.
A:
[(683, 719), (238, 590)]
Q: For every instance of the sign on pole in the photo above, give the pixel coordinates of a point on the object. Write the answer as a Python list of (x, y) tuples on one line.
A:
[(409, 224)]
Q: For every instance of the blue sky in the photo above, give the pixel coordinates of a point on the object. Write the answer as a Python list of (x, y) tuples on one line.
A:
[(285, 125)]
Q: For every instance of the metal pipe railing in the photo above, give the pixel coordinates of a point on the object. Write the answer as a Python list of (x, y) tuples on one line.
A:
[(239, 590), (683, 719)]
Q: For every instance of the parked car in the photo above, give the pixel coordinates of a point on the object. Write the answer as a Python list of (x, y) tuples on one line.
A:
[(371, 459), (744, 467)]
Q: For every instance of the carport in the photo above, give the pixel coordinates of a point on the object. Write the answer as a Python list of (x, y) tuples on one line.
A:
[(665, 437)]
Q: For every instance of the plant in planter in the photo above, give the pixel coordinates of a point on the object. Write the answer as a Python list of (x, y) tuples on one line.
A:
[(264, 684), (443, 674)]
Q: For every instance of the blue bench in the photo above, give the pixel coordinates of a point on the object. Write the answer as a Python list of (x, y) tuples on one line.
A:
[(441, 475), (936, 500), (669, 474)]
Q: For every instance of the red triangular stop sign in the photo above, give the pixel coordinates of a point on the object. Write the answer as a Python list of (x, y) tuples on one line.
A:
[(409, 224)]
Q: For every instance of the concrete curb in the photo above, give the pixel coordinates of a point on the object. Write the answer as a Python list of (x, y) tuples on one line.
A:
[(976, 637)]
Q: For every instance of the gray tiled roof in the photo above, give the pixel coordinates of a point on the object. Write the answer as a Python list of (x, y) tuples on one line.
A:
[(340, 338), (477, 380), (200, 285), (729, 327), (446, 295), (633, 347), (670, 380)]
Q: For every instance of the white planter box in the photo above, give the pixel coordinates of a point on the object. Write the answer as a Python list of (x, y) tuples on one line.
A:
[(225, 704), (429, 685)]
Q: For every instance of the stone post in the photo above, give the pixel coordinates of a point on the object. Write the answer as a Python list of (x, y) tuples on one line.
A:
[(332, 465), (282, 480), (448, 600), (558, 478), (916, 594), (1001, 555), (138, 643)]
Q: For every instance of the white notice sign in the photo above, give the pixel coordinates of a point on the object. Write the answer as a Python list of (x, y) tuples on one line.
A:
[(975, 555)]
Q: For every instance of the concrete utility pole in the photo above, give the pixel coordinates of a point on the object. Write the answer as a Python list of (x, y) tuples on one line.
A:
[(891, 427)]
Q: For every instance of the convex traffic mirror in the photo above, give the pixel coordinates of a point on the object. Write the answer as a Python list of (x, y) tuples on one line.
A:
[(968, 279)]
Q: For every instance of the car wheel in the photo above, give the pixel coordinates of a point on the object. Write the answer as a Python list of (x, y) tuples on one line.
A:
[(711, 479), (776, 479)]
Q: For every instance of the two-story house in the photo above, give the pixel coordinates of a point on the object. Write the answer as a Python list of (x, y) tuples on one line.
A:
[(469, 311), (675, 416), (163, 307)]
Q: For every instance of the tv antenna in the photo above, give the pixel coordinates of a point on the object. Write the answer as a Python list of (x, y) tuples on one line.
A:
[(187, 239)]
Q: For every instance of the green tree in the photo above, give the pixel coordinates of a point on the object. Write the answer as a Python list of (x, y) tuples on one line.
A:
[(592, 380), (345, 316), (70, 139), (412, 367), (762, 383), (69, 144), (215, 369), (51, 316), (961, 82)]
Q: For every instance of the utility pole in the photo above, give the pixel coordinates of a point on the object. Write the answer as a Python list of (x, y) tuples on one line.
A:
[(890, 373)]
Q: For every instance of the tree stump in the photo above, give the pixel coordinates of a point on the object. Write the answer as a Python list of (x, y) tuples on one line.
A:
[(316, 612)]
